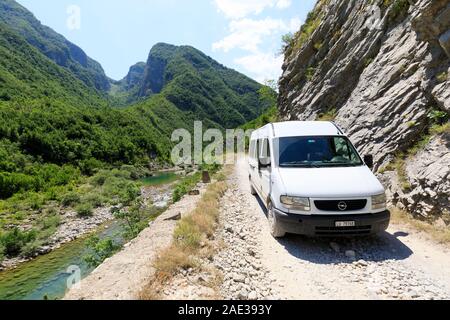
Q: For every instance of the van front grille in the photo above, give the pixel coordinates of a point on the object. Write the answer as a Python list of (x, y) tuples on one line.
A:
[(340, 205), (336, 231)]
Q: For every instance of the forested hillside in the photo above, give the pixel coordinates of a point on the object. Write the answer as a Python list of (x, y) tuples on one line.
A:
[(197, 85), (65, 144), (53, 45)]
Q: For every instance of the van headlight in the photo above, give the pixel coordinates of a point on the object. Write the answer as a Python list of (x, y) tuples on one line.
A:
[(379, 202), (296, 203)]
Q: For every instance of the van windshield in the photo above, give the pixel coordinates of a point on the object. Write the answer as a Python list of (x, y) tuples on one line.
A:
[(318, 152)]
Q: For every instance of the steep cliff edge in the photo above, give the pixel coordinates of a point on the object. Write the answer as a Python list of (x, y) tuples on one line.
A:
[(380, 70)]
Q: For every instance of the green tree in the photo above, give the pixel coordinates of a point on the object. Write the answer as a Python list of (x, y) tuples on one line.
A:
[(100, 250)]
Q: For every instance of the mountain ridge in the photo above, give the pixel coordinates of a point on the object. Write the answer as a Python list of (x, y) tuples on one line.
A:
[(53, 45), (195, 83), (53, 119)]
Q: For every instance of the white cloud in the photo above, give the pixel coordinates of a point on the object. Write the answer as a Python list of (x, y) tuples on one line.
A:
[(258, 37), (264, 66), (295, 24), (248, 34), (283, 4), (238, 9)]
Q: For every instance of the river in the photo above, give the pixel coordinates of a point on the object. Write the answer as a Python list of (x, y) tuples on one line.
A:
[(46, 276)]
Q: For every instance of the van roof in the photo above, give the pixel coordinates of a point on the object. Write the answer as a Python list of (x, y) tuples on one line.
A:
[(305, 128)]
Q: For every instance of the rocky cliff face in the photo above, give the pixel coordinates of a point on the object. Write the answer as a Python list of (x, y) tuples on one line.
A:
[(380, 70), (134, 76)]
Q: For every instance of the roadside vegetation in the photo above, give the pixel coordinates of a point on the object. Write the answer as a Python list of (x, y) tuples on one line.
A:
[(192, 239), (436, 233), (134, 216), (439, 124), (188, 183)]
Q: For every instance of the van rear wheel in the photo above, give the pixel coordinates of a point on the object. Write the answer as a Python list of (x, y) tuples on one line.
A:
[(275, 229)]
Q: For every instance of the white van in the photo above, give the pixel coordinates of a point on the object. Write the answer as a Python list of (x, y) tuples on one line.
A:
[(313, 181)]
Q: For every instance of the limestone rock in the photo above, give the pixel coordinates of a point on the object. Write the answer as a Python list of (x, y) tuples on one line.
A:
[(382, 71)]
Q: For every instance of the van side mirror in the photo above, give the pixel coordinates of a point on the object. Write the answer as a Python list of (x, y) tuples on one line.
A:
[(368, 160), (264, 163)]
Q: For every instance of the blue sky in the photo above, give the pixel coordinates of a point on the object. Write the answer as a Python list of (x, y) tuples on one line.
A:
[(241, 34)]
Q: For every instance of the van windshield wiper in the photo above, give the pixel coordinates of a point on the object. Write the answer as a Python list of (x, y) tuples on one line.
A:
[(341, 164), (300, 165)]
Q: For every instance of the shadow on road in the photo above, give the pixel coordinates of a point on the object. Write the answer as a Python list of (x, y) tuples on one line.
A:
[(381, 247)]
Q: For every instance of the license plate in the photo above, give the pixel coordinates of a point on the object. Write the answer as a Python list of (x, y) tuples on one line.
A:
[(345, 223)]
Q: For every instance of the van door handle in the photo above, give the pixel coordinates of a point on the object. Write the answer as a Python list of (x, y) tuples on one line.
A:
[(252, 166)]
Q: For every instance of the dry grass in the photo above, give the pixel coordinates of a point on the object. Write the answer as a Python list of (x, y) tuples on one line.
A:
[(192, 239), (439, 234)]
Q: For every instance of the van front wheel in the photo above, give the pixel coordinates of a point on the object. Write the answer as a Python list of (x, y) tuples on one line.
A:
[(275, 229)]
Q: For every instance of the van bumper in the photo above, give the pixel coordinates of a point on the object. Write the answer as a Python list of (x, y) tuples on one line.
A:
[(325, 225)]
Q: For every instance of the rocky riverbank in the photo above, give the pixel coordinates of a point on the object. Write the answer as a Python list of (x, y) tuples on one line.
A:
[(73, 227)]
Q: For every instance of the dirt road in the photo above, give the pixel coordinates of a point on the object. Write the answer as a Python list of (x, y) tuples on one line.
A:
[(398, 264), (122, 276)]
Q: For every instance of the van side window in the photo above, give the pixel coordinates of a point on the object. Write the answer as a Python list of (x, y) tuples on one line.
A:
[(251, 150), (266, 142), (264, 150)]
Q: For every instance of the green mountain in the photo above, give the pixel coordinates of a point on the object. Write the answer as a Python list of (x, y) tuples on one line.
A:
[(195, 84), (25, 73), (53, 45), (56, 123)]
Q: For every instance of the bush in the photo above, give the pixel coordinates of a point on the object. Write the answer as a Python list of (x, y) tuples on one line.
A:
[(329, 115), (135, 219), (30, 249), (399, 8), (442, 77), (13, 241), (2, 252), (100, 250), (71, 199), (90, 166), (50, 222), (100, 178), (84, 210), (184, 186), (171, 260), (94, 199), (187, 233), (438, 117)]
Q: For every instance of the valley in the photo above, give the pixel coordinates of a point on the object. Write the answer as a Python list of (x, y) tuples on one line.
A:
[(74, 144), (88, 188)]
